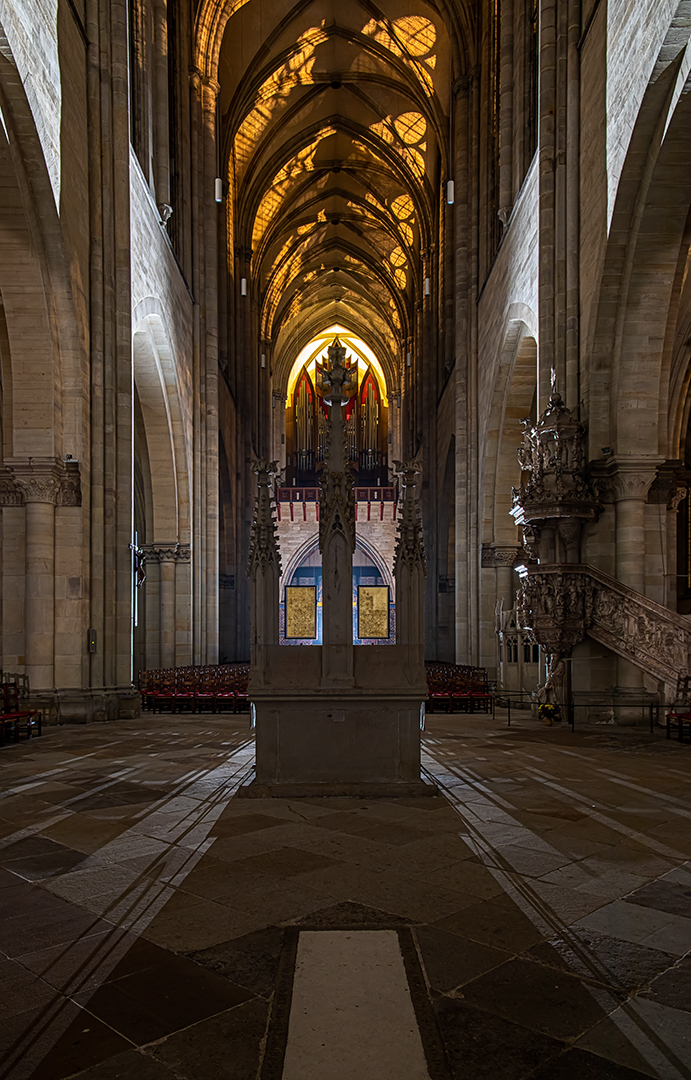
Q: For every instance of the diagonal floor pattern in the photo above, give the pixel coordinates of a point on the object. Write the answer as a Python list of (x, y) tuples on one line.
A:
[(151, 920)]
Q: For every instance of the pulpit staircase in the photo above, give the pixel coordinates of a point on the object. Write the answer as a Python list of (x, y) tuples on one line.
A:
[(564, 603)]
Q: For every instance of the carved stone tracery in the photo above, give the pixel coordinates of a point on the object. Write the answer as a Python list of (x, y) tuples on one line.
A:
[(337, 496), (264, 550), (409, 543)]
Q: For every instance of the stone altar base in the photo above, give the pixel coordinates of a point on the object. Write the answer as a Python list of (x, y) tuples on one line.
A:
[(361, 740)]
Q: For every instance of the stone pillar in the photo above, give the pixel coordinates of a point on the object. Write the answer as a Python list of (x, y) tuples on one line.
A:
[(264, 572), (40, 486), (162, 139), (630, 484), (671, 584), (506, 114), (167, 611), (409, 572), (170, 628), (337, 532)]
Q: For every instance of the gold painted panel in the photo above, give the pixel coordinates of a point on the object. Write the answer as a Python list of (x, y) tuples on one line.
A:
[(301, 611), (373, 611)]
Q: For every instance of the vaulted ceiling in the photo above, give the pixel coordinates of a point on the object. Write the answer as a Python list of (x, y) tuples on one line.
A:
[(335, 129)]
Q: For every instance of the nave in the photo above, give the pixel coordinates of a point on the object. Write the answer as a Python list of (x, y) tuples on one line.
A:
[(531, 921)]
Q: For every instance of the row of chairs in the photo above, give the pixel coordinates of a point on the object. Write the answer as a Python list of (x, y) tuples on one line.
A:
[(15, 717), (220, 688), (457, 687)]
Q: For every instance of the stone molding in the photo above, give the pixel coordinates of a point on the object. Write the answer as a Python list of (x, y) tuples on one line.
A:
[(163, 553), (501, 556), (226, 581)]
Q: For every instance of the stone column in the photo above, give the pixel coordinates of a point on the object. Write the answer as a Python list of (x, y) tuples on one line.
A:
[(167, 609), (40, 486), (206, 229), (505, 558), (630, 484), (409, 572), (264, 572), (672, 582), (506, 114), (168, 557), (162, 141), (337, 532)]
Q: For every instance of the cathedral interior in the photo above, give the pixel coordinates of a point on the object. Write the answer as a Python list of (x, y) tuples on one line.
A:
[(418, 274)]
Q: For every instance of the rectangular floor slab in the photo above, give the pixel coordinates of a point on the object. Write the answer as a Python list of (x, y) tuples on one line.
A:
[(351, 1013)]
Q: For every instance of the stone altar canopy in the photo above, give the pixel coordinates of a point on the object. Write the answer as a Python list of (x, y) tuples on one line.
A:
[(337, 718)]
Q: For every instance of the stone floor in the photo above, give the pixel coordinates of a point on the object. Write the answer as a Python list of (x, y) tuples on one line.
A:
[(150, 920)]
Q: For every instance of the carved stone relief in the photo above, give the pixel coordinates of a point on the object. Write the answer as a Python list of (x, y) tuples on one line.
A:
[(264, 549), (409, 544)]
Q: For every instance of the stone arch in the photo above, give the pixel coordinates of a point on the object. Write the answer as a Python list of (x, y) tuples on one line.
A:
[(44, 304), (513, 399), (156, 383), (312, 544), (163, 461), (43, 353), (628, 386)]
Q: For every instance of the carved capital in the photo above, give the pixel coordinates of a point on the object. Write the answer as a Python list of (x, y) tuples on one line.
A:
[(71, 487), (10, 493), (165, 553), (39, 481), (630, 477), (501, 556), (631, 485)]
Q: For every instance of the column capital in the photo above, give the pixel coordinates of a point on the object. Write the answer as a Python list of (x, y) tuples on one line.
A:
[(46, 480), (166, 553), (39, 480), (625, 478), (501, 556)]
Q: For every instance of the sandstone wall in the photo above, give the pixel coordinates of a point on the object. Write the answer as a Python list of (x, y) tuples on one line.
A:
[(30, 28)]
